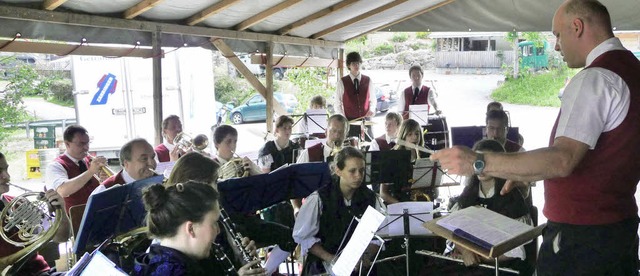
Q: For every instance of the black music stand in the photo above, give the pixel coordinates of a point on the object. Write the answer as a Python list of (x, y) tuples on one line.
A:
[(391, 166), (113, 212), (433, 176), (249, 194), (308, 117)]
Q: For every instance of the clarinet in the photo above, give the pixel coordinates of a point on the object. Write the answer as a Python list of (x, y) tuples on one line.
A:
[(220, 256), (237, 238)]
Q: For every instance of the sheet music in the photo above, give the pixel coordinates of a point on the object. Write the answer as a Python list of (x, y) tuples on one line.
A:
[(420, 113), (486, 225), (362, 236), (98, 264), (423, 172), (417, 210), (164, 168), (317, 121)]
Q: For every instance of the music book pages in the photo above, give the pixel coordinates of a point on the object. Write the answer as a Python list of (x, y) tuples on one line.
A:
[(485, 228), (362, 236)]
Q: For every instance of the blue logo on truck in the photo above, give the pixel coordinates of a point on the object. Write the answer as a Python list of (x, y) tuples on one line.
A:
[(106, 86)]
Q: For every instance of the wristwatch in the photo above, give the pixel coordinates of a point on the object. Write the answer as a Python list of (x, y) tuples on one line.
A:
[(478, 165)]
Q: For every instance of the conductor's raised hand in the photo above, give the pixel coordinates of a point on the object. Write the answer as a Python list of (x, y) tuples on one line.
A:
[(456, 160)]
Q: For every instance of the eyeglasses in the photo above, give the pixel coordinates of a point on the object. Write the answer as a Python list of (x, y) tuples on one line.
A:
[(81, 144)]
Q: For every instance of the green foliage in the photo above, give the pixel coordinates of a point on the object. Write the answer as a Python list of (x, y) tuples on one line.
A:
[(383, 49), (422, 35), (358, 44), (537, 39), (310, 82), (533, 89), (400, 37), (229, 89), (61, 92)]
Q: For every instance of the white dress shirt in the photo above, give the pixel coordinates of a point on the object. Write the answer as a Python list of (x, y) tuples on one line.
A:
[(338, 106), (374, 143), (56, 174), (431, 98), (304, 155)]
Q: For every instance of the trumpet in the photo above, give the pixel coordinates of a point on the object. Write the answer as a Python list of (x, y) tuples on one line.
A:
[(105, 169), (185, 143)]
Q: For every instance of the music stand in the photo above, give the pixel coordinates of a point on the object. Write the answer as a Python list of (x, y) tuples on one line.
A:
[(249, 194), (112, 212), (429, 174), (391, 166)]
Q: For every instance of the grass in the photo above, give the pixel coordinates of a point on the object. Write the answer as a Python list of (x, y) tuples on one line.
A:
[(55, 100), (533, 89)]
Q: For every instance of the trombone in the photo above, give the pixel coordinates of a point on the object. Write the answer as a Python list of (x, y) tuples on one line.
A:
[(185, 143)]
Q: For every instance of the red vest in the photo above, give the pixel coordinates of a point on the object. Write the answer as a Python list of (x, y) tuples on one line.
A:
[(163, 153), (382, 143), (113, 180), (601, 189), (81, 196), (423, 98), (355, 105), (316, 153), (511, 146)]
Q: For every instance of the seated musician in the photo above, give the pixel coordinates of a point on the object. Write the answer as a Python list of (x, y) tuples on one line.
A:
[(138, 160), (498, 106), (73, 174), (35, 265), (279, 151), (417, 93), (497, 127), (482, 190), (195, 166), (410, 132), (225, 139), (167, 151), (337, 127), (387, 141), (317, 102), (327, 213), (184, 217)]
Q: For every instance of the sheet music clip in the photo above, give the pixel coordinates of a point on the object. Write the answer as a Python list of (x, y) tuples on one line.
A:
[(113, 212)]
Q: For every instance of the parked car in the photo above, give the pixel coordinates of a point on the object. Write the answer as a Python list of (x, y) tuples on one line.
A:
[(255, 108)]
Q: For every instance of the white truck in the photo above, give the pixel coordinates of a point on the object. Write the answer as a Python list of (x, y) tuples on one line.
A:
[(114, 97)]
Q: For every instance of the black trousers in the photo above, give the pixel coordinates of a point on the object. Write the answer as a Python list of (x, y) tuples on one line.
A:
[(610, 249)]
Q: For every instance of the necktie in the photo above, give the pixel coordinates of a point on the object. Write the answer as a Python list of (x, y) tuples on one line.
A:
[(83, 166), (356, 84), (415, 95)]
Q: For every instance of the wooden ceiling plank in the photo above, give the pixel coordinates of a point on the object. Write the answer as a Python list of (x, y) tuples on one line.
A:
[(140, 8), (52, 4), (44, 47), (324, 12), (264, 15), (357, 18), (405, 18), (209, 11)]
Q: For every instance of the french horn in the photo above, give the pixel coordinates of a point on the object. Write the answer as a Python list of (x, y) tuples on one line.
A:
[(27, 222)]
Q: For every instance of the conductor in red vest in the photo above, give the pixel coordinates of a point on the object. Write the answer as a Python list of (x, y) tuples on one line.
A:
[(354, 98), (590, 168), (417, 93), (72, 173)]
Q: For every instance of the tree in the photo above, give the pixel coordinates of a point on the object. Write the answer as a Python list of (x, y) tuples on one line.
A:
[(310, 82)]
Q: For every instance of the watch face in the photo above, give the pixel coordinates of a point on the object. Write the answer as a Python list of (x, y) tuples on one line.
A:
[(478, 166)]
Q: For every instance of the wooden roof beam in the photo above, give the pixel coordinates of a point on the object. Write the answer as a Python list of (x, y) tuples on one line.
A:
[(264, 15), (140, 8), (324, 12), (405, 18), (357, 18), (209, 11), (52, 4)]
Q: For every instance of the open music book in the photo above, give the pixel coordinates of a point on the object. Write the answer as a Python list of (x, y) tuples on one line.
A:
[(484, 232)]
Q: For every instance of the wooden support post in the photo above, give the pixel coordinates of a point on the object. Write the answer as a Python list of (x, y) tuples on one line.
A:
[(157, 84), (269, 88)]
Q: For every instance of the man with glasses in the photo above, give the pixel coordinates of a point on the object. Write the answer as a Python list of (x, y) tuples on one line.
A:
[(353, 97), (497, 127), (72, 173)]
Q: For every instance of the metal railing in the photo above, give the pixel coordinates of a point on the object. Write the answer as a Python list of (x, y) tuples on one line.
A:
[(56, 123)]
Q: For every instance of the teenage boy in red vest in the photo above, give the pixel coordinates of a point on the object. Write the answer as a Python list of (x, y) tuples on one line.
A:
[(590, 167), (72, 173), (354, 98), (417, 93), (387, 141)]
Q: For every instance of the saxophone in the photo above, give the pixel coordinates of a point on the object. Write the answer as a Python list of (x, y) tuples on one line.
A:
[(237, 239)]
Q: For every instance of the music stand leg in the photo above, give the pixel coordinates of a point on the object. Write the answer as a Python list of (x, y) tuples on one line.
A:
[(405, 217), (497, 266)]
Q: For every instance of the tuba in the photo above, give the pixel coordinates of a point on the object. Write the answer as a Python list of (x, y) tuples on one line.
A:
[(185, 143), (27, 222)]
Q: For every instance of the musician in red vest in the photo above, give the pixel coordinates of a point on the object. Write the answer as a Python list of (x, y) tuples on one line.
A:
[(387, 141), (337, 126), (497, 127), (354, 97), (167, 151), (591, 167), (72, 173), (138, 162), (417, 93)]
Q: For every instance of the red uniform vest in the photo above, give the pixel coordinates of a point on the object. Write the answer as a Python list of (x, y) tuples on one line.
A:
[(511, 146), (113, 180), (163, 153), (601, 189), (423, 98), (382, 143), (81, 196), (316, 153), (355, 105)]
